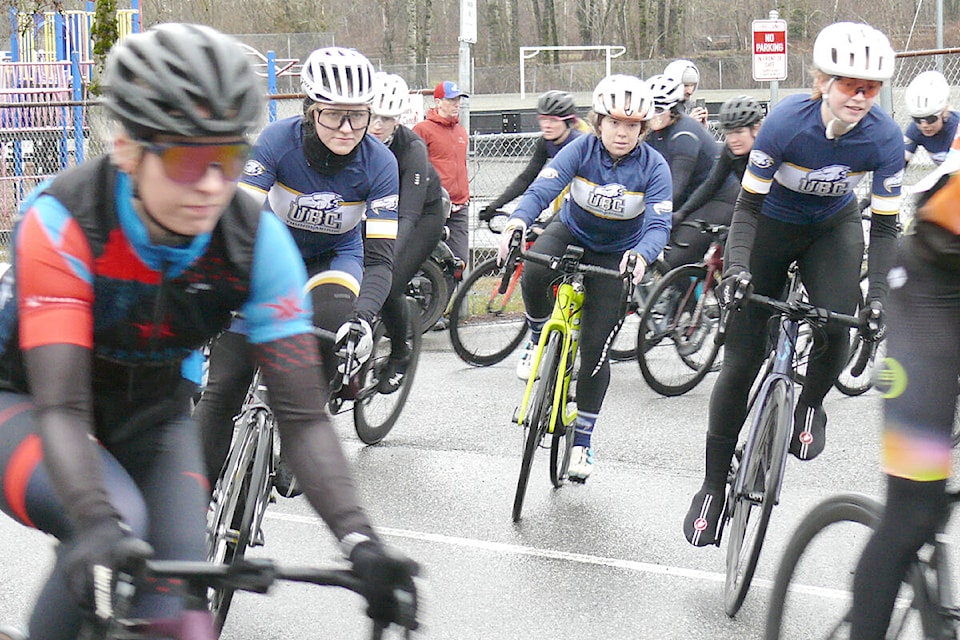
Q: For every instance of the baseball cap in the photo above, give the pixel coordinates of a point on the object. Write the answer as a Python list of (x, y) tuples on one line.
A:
[(448, 90)]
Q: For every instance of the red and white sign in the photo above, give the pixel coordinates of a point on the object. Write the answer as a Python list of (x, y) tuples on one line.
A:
[(769, 50)]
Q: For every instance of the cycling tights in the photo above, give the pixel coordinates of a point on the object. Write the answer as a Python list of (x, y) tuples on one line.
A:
[(154, 480), (717, 211), (829, 254), (601, 309), (919, 383), (413, 248)]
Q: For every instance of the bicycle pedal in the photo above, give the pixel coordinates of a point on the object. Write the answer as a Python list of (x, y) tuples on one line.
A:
[(258, 540), (577, 480)]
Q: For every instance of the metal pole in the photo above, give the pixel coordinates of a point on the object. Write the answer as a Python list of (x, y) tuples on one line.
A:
[(465, 82), (940, 34), (774, 84)]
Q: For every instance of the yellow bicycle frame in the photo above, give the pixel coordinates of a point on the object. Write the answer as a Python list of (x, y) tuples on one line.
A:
[(565, 319)]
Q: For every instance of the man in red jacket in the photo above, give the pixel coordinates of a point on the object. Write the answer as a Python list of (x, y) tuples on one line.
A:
[(447, 143)]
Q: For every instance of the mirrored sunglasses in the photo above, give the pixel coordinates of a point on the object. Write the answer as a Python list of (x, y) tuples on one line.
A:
[(927, 119), (188, 162), (853, 86)]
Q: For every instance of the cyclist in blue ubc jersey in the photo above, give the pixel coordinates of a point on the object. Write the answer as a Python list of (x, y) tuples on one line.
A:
[(122, 268), (934, 123), (321, 175), (797, 204), (421, 210), (619, 206)]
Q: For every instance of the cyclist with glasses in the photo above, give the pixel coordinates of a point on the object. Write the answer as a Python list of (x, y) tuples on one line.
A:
[(934, 124), (421, 212), (711, 202), (919, 386), (797, 204), (337, 191), (691, 152), (559, 124), (122, 268), (619, 206)]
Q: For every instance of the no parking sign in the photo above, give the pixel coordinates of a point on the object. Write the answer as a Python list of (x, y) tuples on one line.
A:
[(769, 50)]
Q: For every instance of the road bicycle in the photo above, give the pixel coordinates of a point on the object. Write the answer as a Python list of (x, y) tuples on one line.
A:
[(812, 590), (245, 485), (757, 469), (196, 579), (429, 286), (676, 345), (548, 406)]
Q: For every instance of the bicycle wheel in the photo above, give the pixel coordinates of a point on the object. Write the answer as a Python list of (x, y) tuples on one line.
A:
[(485, 325), (816, 574), (847, 383), (376, 413), (241, 495), (428, 288), (537, 419), (676, 348), (561, 447), (749, 511)]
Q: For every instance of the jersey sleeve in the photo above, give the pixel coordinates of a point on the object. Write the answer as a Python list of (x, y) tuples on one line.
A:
[(276, 307), (911, 140), (54, 266), (767, 154), (552, 180), (260, 170), (384, 198), (888, 176), (658, 209)]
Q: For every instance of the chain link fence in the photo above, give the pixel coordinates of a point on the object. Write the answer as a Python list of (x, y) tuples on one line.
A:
[(45, 141)]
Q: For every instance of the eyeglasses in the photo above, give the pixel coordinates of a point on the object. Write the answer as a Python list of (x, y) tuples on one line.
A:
[(333, 119), (852, 86), (927, 119), (381, 120), (188, 162)]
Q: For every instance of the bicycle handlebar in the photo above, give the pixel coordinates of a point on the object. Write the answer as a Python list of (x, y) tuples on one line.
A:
[(569, 262)]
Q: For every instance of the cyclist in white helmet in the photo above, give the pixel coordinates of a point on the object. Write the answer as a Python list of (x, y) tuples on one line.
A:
[(323, 176), (934, 124), (797, 204), (688, 74), (421, 210), (619, 205)]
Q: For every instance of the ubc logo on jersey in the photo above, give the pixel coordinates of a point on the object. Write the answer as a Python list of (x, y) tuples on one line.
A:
[(894, 181), (608, 197), (663, 207), (825, 181), (389, 202), (316, 212), (253, 168), (548, 173), (760, 159)]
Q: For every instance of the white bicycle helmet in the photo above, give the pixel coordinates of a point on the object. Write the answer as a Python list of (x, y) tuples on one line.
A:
[(336, 74), (927, 94), (391, 95), (853, 50), (684, 71), (624, 98), (667, 91)]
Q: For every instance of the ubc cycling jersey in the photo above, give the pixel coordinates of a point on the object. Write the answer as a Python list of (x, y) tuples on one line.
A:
[(795, 166), (86, 274), (937, 145), (614, 205), (321, 209)]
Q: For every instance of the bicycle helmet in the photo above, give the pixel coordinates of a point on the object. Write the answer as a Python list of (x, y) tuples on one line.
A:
[(181, 79), (742, 111), (927, 94), (556, 103), (624, 98), (336, 74), (684, 71), (853, 50), (391, 95), (667, 92)]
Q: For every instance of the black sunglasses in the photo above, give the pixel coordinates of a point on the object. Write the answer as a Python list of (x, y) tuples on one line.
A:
[(927, 119)]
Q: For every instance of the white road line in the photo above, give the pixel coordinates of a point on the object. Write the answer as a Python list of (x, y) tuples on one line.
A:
[(617, 563)]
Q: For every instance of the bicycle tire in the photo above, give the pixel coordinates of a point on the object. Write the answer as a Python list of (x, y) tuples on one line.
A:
[(536, 421), (236, 505), (485, 325), (624, 345), (561, 446), (762, 470), (846, 382), (675, 340), (375, 413), (429, 289)]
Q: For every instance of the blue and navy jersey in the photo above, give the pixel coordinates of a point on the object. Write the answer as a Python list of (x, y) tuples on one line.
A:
[(807, 178), (614, 205), (936, 145), (321, 210)]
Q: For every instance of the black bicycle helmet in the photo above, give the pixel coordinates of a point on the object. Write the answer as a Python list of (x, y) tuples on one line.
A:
[(556, 103), (742, 111), (181, 79)]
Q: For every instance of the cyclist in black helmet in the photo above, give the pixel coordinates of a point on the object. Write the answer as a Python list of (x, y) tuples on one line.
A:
[(557, 117), (124, 266), (713, 200)]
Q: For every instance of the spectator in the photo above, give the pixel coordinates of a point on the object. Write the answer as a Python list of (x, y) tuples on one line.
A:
[(447, 143), (687, 73)]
